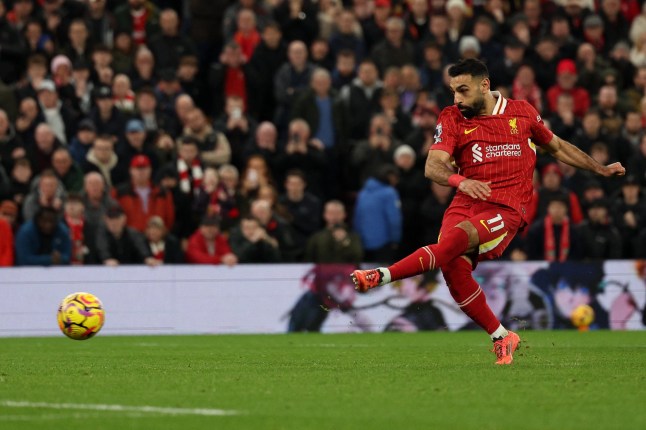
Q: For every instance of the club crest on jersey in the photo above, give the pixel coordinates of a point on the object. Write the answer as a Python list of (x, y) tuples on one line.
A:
[(438, 134), (513, 126)]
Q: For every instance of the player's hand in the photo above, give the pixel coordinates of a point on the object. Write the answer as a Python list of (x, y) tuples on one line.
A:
[(614, 169), (475, 189)]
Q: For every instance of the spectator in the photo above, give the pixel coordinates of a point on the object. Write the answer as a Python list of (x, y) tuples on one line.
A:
[(346, 38), (378, 217), (142, 74), (564, 123), (190, 82), (276, 227), (141, 199), (14, 50), (394, 50), (265, 143), (267, 58), (399, 119), (169, 45), (163, 246), (6, 242), (637, 163), (79, 45), (68, 172), (82, 233), (124, 97), (590, 66), (215, 149), (601, 240), (103, 159), (167, 90), (118, 244), (208, 245), (344, 71), (48, 192), (21, 176), (40, 154), (155, 121), (552, 238), (251, 243), (629, 213), (101, 22), (432, 210), (593, 34), (43, 241), (362, 98), (410, 186), (228, 78), (140, 18), (546, 63), (247, 36), (484, 30), (336, 242), (374, 26), (106, 117), (551, 189), (10, 144), (370, 155), (292, 78), (27, 120), (298, 20), (304, 209), (228, 196), (135, 144), (9, 212), (566, 76), (81, 144), (56, 114), (305, 153), (237, 126), (191, 182), (96, 198)]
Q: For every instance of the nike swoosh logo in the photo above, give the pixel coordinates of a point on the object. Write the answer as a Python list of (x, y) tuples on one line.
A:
[(484, 224), (472, 130)]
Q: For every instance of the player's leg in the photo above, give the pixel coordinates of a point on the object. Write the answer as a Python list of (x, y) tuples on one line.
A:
[(496, 227), (457, 238)]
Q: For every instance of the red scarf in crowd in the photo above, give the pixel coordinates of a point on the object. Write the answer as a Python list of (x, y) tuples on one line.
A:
[(76, 236), (157, 250), (550, 241), (185, 178), (531, 94)]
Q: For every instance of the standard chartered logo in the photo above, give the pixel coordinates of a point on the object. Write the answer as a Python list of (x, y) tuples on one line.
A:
[(477, 153), (494, 151)]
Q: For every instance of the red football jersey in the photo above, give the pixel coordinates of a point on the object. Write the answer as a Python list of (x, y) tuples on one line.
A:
[(497, 148)]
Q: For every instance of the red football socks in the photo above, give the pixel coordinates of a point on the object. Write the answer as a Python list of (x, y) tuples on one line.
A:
[(468, 295), (426, 258)]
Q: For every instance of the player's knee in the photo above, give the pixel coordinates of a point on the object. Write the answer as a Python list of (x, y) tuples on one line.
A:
[(472, 233)]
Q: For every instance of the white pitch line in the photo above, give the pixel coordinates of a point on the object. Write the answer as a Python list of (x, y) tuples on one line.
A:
[(118, 408)]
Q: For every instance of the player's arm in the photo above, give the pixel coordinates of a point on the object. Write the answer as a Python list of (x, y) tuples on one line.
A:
[(570, 154), (437, 170)]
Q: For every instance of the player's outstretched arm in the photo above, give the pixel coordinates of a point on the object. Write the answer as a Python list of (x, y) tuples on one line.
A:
[(570, 154), (437, 170)]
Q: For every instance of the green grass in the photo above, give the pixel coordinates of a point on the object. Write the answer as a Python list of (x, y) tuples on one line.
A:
[(559, 380)]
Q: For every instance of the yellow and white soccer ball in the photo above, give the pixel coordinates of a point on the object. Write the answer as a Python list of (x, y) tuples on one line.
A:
[(582, 316), (80, 316)]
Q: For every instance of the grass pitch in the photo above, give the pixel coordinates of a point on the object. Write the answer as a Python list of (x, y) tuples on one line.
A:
[(559, 380)]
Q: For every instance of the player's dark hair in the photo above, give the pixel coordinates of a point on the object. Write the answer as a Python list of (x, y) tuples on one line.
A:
[(469, 66)]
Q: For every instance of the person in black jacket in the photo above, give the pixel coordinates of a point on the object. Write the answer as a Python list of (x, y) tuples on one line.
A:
[(14, 50), (163, 246), (117, 244), (601, 240), (251, 243)]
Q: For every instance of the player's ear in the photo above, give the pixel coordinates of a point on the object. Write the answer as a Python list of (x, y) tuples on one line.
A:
[(485, 85)]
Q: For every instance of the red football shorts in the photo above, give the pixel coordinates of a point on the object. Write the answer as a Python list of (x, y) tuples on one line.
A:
[(496, 225)]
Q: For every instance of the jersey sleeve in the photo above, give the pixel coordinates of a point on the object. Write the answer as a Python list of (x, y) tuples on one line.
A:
[(541, 135), (446, 136)]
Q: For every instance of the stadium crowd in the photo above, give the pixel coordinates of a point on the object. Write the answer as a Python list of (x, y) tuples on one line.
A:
[(249, 131)]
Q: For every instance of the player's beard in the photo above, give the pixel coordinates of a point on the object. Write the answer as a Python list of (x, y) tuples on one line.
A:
[(470, 111)]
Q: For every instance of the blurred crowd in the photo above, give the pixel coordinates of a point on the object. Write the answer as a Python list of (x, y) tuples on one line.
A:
[(250, 131)]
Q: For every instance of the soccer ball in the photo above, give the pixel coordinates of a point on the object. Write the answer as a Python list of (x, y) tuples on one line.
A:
[(80, 316), (582, 316)]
